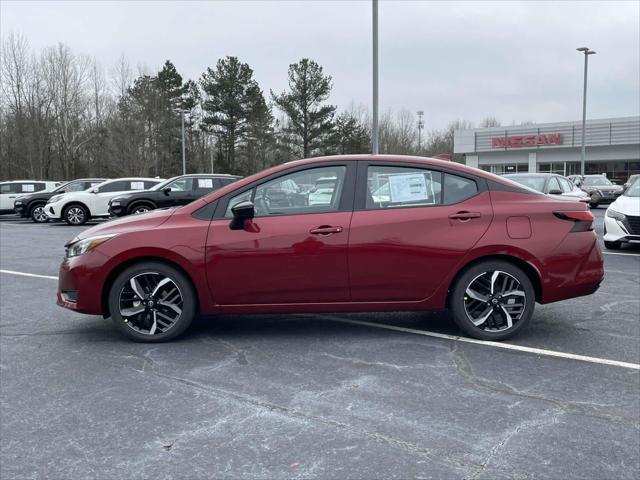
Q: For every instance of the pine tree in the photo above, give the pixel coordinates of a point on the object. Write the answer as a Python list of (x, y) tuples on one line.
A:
[(310, 120)]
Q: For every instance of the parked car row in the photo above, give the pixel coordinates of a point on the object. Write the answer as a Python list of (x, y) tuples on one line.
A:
[(80, 200), (622, 219)]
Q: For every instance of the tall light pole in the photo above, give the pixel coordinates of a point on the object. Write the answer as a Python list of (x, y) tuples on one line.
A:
[(184, 157), (374, 127), (586, 52), (420, 127)]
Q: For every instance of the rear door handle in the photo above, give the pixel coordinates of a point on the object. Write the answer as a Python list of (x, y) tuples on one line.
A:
[(325, 230), (464, 216)]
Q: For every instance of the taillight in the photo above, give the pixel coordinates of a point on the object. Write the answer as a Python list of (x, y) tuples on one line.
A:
[(583, 219)]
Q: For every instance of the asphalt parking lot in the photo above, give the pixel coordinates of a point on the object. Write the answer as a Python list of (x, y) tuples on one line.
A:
[(303, 396)]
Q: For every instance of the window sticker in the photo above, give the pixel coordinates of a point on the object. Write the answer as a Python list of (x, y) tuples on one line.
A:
[(408, 187), (137, 185), (28, 187), (205, 183)]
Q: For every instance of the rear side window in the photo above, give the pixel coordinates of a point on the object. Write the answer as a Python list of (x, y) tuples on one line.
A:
[(31, 187), (205, 185), (8, 188), (148, 185), (457, 189), (395, 187)]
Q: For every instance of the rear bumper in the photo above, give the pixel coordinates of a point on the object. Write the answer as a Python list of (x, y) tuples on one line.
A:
[(567, 278)]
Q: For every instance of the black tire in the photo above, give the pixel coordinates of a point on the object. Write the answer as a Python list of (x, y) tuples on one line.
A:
[(140, 326), (75, 214), (37, 213), (613, 245), (593, 205), (140, 208), (496, 325)]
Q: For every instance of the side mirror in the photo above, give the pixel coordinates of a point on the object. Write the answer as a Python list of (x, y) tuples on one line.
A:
[(555, 191), (94, 190), (241, 212), (166, 190)]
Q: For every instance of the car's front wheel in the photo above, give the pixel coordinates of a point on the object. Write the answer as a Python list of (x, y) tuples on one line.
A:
[(152, 302), (38, 214), (140, 208), (492, 300), (75, 215)]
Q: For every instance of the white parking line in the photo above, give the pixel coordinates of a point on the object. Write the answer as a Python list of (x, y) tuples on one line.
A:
[(621, 253), (505, 346), (23, 274)]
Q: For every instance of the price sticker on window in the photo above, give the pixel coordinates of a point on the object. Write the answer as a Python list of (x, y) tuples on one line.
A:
[(28, 187), (408, 187), (205, 183), (137, 185)]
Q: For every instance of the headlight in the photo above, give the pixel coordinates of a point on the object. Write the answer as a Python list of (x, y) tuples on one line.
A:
[(114, 204), (611, 213), (54, 199), (83, 246), (18, 202)]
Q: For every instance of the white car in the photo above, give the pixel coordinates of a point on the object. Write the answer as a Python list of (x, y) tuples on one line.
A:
[(9, 191), (622, 219), (76, 208)]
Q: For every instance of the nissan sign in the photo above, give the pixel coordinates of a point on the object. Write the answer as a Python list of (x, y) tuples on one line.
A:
[(526, 140)]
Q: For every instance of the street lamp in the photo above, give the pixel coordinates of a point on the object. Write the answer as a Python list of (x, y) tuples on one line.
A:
[(586, 52)]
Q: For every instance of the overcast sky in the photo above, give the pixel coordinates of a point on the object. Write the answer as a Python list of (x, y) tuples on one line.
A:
[(512, 60)]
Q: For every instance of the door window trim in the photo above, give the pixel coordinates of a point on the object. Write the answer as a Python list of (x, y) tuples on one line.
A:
[(360, 202), (346, 199)]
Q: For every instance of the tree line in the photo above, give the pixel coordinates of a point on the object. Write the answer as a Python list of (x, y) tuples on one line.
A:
[(62, 116)]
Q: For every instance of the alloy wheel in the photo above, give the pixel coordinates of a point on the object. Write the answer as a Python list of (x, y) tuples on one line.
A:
[(494, 301), (75, 215), (39, 214), (140, 210), (150, 303)]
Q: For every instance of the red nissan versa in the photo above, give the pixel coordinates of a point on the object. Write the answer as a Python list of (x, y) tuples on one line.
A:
[(339, 234)]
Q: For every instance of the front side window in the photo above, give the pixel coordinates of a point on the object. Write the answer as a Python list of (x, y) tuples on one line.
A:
[(181, 185), (315, 190), (393, 187), (553, 185), (120, 186), (565, 185)]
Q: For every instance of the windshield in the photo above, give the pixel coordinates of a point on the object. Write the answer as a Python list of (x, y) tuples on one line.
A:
[(634, 189), (537, 183), (596, 180)]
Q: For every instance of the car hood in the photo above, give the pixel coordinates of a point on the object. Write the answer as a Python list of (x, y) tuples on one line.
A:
[(136, 194), (627, 205), (132, 223)]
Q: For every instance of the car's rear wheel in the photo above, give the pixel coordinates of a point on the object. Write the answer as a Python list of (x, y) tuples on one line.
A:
[(75, 215), (613, 245), (492, 300), (38, 214), (152, 302)]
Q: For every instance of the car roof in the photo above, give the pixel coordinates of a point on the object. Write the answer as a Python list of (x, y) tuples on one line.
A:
[(542, 175), (126, 179)]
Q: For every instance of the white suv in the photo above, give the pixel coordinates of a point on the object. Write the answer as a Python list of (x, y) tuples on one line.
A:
[(9, 191), (622, 220), (76, 208)]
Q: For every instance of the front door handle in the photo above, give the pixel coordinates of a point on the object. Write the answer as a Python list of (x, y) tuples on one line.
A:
[(464, 216), (325, 230)]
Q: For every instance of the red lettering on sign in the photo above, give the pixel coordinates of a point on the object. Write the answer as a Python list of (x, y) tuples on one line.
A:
[(527, 140)]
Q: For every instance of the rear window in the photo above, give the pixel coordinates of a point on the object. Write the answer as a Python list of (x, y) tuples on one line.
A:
[(457, 189)]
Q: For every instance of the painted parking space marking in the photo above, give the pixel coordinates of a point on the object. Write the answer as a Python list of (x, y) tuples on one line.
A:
[(622, 253), (24, 274), (505, 346)]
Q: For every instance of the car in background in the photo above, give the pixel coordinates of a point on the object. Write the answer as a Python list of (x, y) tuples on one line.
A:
[(76, 208), (32, 205), (10, 191), (550, 184), (485, 247), (622, 219), (600, 189), (175, 192), (629, 181)]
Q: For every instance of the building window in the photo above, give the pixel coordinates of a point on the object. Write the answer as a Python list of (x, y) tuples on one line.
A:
[(560, 168), (500, 169)]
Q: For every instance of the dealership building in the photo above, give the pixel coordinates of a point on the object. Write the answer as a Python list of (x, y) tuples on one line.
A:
[(612, 147)]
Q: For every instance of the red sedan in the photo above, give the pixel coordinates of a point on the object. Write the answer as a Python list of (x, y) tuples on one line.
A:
[(339, 234)]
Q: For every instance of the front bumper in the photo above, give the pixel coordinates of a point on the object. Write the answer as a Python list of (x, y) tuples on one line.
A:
[(80, 283), (53, 210), (21, 210), (117, 210), (617, 231)]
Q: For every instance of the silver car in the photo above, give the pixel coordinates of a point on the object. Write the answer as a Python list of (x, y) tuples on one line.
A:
[(550, 184)]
